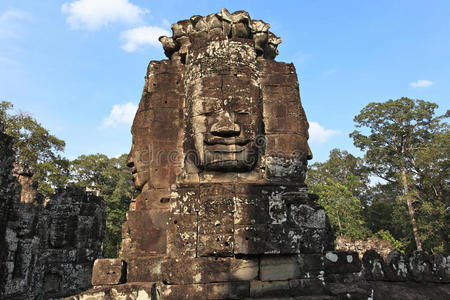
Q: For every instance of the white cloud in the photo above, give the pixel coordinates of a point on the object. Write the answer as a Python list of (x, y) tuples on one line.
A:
[(421, 83), (318, 134), (95, 14), (9, 22), (166, 23), (141, 36), (120, 114)]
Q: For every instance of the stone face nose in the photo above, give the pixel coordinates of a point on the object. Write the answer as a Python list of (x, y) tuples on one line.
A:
[(225, 127)]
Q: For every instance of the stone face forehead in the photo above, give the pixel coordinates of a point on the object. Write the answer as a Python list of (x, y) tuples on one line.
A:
[(237, 25)]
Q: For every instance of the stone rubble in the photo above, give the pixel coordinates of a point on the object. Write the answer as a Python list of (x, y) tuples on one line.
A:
[(361, 246)]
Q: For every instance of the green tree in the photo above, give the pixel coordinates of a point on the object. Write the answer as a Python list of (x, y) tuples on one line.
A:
[(91, 170), (36, 148), (343, 209), (341, 182), (432, 191), (400, 132), (344, 168)]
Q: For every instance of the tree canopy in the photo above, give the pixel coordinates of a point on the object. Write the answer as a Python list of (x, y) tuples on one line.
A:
[(405, 140), (36, 148)]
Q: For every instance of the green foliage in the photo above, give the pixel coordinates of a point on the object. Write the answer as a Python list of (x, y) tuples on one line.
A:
[(398, 130), (408, 146), (343, 209), (387, 236), (378, 216), (341, 182), (344, 168), (36, 148)]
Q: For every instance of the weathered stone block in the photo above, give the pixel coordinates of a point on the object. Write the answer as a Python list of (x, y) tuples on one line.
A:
[(274, 93), (182, 235), (350, 291), (153, 199), (276, 240), (185, 200), (216, 217), (337, 262), (344, 278), (259, 289), (307, 287), (163, 177), (211, 191), (311, 265), (144, 269), (249, 239), (108, 271), (250, 209), (183, 292), (286, 124), (147, 230), (277, 210), (219, 244), (306, 240), (272, 66), (228, 290), (305, 216), (289, 80), (278, 268), (208, 269)]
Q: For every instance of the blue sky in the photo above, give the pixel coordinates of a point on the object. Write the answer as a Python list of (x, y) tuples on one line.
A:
[(78, 66)]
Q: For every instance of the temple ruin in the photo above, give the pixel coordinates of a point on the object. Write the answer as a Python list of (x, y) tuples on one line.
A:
[(220, 150), (219, 153)]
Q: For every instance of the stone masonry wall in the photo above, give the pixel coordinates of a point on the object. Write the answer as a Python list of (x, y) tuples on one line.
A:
[(361, 246), (334, 275), (46, 252)]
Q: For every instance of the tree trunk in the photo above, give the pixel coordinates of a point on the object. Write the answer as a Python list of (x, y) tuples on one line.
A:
[(339, 223), (411, 211)]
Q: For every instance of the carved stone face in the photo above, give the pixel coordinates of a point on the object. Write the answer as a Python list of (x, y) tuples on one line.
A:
[(140, 154), (225, 119)]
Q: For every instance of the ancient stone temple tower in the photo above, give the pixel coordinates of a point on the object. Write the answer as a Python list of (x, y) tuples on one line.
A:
[(220, 150)]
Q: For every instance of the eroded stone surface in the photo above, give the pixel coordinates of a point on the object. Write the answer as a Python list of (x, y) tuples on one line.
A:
[(108, 272), (361, 246), (47, 251)]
